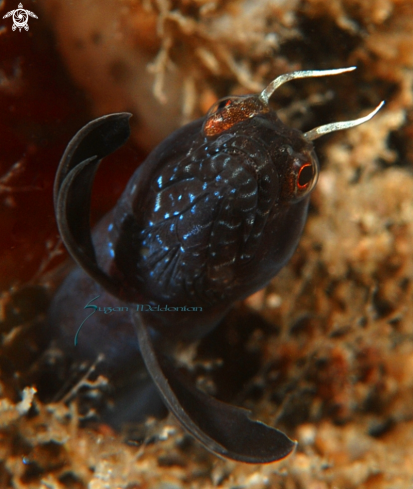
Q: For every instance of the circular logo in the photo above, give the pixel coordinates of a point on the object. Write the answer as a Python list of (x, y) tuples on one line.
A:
[(20, 19)]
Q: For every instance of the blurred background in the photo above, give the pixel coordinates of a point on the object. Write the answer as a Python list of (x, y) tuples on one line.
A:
[(332, 336)]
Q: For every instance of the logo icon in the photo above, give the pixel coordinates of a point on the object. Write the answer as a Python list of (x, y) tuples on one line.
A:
[(20, 18)]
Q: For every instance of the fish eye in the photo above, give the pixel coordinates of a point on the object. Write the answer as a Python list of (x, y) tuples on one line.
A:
[(302, 177), (224, 103), (228, 111), (305, 176)]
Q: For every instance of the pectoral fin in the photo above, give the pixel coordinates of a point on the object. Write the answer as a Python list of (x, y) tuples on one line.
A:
[(73, 189), (223, 429)]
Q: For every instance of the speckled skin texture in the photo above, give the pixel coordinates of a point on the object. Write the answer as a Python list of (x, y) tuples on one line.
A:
[(206, 220), (220, 206)]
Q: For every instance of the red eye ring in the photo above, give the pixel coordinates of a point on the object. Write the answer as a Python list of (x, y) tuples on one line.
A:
[(223, 103), (306, 176)]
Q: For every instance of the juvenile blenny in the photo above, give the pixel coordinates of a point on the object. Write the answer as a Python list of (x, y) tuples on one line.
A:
[(211, 216)]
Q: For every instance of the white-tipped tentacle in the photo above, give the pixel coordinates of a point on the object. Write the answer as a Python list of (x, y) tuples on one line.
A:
[(339, 126), (268, 91)]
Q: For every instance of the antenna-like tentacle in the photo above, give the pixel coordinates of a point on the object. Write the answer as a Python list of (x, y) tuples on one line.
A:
[(339, 126), (267, 92)]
